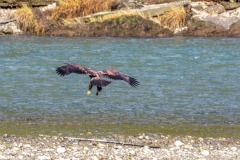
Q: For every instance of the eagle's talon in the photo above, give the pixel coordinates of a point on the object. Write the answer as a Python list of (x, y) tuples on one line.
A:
[(88, 92)]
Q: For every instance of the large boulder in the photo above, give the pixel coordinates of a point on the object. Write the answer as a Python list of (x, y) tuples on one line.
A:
[(234, 30), (197, 27), (211, 19), (211, 8)]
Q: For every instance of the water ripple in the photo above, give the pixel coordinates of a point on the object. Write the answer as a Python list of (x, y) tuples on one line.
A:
[(193, 80)]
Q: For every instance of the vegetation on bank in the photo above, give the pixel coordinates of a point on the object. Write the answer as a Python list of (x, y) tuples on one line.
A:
[(76, 8), (75, 11), (173, 19), (26, 20)]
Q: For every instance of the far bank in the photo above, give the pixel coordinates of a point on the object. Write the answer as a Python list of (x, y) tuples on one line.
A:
[(181, 18)]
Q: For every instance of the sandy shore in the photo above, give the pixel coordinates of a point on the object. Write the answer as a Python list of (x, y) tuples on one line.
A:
[(118, 147)]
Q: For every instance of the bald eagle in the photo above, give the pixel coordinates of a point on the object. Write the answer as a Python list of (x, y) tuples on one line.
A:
[(96, 76)]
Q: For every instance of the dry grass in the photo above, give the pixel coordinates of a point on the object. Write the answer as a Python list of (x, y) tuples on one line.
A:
[(68, 10), (103, 17), (173, 19), (74, 8), (26, 20), (113, 16)]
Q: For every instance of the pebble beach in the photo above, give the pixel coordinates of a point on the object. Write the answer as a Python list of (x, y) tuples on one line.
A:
[(118, 147)]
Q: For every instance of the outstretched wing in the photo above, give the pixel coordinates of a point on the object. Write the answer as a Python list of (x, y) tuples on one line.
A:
[(71, 68), (99, 82), (116, 75)]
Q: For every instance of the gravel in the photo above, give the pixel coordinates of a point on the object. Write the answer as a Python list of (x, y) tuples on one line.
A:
[(118, 147)]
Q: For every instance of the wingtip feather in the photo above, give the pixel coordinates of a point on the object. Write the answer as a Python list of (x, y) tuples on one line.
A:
[(59, 71), (133, 82)]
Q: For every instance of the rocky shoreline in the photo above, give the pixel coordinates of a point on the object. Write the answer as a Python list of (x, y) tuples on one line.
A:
[(202, 19), (118, 147)]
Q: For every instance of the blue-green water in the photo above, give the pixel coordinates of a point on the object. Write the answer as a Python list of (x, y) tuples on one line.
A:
[(188, 86)]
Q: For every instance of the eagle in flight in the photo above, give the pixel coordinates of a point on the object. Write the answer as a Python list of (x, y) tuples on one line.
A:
[(96, 76)]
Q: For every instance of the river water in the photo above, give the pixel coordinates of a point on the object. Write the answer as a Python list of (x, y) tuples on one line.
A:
[(188, 86)]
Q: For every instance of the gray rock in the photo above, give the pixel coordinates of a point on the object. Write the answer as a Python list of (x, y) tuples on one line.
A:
[(43, 157), (7, 30), (205, 152), (5, 135), (61, 149), (178, 143), (234, 29), (215, 13), (7, 16), (215, 9), (234, 149), (230, 6), (208, 7), (125, 4)]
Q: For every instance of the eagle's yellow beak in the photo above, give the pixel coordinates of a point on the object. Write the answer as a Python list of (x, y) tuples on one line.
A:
[(88, 92)]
